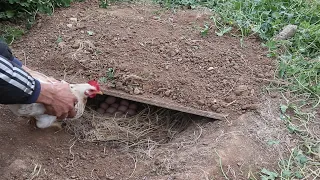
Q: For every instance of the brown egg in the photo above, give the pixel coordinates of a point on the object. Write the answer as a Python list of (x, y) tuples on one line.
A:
[(111, 110), (122, 108), (100, 110), (104, 105), (133, 106), (124, 102), (107, 114), (110, 100), (115, 105), (131, 112)]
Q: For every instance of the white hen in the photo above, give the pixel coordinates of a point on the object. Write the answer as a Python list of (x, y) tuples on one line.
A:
[(37, 110)]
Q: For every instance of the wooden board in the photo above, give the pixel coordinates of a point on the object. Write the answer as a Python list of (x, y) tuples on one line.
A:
[(164, 103)]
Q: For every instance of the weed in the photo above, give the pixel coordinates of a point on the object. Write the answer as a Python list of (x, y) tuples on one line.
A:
[(10, 33), (103, 3), (108, 77)]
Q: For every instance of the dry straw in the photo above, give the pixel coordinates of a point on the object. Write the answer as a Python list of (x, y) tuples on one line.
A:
[(151, 126)]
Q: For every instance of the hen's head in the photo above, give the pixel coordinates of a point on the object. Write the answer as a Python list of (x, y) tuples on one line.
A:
[(89, 89), (93, 89)]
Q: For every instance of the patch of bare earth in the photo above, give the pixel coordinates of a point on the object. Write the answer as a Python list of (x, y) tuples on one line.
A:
[(171, 60)]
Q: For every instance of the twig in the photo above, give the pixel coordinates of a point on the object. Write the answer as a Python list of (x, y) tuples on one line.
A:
[(36, 173), (220, 163), (135, 166)]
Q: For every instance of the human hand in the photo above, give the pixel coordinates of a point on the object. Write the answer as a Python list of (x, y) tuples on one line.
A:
[(58, 100)]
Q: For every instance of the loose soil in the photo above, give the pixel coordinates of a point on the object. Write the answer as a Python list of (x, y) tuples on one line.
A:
[(155, 53)]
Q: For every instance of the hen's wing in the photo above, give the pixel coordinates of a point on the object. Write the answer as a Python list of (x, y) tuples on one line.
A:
[(27, 109)]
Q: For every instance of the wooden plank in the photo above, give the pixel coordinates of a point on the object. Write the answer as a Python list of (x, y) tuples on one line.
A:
[(164, 103)]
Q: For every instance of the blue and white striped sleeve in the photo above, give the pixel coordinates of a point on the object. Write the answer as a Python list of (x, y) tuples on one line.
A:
[(16, 85)]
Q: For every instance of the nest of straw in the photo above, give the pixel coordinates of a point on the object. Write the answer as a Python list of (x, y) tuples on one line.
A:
[(151, 126)]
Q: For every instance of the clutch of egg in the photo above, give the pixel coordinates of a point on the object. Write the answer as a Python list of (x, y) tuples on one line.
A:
[(113, 106)]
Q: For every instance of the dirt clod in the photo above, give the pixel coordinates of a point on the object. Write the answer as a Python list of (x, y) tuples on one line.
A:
[(137, 91), (240, 89), (250, 107)]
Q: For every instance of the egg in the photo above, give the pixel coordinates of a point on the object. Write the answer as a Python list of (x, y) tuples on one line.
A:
[(110, 100), (122, 108), (100, 110), (124, 102), (133, 106), (115, 105), (111, 110), (104, 105), (131, 112), (107, 114)]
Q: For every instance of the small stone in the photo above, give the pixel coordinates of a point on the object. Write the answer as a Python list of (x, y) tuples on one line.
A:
[(73, 177), (287, 32), (69, 25), (273, 95), (250, 107), (82, 157), (240, 89), (167, 67), (110, 178), (73, 19), (39, 25), (119, 85), (214, 107), (167, 93), (229, 99), (103, 155), (200, 102), (157, 162), (136, 91), (61, 44), (76, 45), (210, 68)]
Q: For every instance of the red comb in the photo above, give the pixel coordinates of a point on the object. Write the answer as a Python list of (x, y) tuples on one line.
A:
[(95, 84)]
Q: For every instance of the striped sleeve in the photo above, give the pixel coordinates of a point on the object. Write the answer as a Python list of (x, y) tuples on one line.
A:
[(16, 85)]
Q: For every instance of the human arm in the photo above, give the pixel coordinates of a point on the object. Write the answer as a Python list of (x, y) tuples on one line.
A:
[(17, 86)]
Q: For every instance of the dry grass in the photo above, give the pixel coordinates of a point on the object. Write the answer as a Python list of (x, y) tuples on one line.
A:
[(152, 126)]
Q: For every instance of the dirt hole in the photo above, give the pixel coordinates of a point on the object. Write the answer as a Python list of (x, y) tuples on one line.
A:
[(133, 124)]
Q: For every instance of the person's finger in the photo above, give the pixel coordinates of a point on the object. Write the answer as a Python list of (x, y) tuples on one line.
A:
[(49, 110), (72, 113), (63, 116)]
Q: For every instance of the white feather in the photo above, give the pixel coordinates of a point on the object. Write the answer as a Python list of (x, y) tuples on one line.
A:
[(37, 110)]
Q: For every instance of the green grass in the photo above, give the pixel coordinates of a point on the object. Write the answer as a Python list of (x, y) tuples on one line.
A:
[(299, 65), (10, 33)]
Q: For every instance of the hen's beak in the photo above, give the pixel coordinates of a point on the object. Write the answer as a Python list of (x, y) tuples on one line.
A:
[(99, 92)]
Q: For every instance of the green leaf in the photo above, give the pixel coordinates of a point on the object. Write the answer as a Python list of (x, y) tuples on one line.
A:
[(90, 33), (298, 175), (301, 159), (102, 80), (283, 108), (10, 14), (205, 30), (271, 175), (286, 173), (272, 142), (224, 31), (59, 40)]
